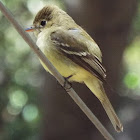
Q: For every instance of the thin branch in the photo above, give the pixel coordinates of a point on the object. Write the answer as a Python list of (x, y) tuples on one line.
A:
[(56, 74)]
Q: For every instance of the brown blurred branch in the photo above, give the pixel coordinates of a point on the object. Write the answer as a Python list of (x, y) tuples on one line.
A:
[(61, 80)]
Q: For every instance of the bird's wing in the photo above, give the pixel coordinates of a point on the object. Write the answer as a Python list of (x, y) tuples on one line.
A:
[(68, 42)]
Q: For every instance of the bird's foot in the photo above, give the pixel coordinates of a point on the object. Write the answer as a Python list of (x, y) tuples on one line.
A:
[(67, 85)]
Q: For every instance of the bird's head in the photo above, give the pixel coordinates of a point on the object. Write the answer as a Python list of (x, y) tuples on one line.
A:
[(47, 17)]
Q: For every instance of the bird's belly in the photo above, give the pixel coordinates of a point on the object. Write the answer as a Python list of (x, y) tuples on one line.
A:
[(66, 68)]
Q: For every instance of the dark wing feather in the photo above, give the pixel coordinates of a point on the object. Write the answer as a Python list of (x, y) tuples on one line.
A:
[(78, 53)]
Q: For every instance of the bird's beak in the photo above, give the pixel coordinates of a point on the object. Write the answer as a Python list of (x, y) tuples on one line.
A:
[(30, 29)]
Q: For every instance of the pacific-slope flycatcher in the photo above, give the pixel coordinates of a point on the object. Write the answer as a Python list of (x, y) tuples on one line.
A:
[(73, 53)]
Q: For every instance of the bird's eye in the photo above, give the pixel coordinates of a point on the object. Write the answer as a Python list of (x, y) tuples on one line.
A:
[(43, 23)]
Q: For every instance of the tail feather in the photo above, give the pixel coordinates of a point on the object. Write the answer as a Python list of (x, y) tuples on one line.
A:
[(112, 115), (97, 88)]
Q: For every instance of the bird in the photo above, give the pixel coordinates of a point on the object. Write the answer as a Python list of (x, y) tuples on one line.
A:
[(73, 53)]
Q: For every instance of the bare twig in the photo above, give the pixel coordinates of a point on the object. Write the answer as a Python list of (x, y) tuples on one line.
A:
[(60, 79)]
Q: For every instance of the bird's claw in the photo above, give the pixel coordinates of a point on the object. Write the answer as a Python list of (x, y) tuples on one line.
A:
[(67, 85)]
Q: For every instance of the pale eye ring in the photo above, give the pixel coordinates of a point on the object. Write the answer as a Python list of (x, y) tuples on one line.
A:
[(43, 23)]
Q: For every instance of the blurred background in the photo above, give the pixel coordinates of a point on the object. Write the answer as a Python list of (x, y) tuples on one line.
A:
[(33, 106)]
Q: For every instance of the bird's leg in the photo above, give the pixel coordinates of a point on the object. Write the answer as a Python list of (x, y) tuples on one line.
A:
[(67, 82)]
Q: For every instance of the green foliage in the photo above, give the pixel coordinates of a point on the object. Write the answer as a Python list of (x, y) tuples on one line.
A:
[(132, 59), (20, 75), (131, 80)]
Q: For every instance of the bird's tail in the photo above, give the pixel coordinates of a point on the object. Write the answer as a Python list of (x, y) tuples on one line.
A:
[(97, 88)]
